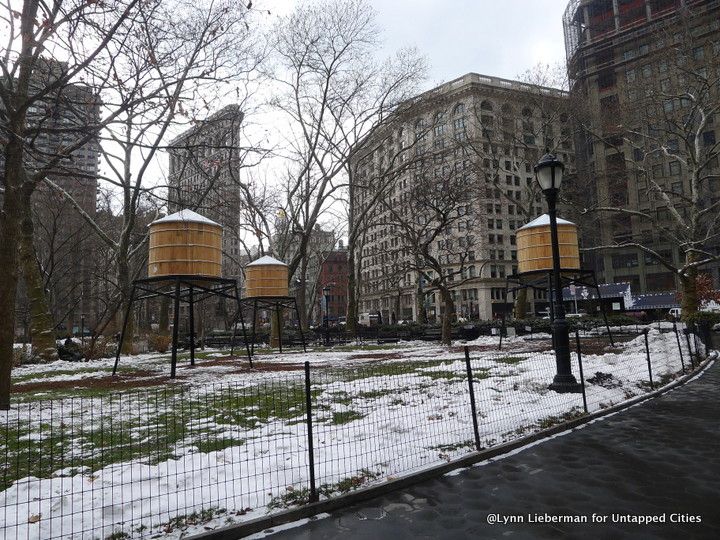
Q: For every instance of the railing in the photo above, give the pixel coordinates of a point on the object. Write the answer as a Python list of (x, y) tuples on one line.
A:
[(165, 459)]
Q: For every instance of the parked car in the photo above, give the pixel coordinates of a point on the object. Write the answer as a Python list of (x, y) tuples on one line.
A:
[(675, 312)]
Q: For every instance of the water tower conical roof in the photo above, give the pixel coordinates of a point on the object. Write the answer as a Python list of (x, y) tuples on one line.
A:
[(543, 221), (187, 216), (266, 260)]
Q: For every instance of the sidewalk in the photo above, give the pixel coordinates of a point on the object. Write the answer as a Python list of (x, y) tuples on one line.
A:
[(656, 459)]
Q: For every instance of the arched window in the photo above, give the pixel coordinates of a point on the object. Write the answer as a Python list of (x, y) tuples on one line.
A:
[(507, 109), (486, 106), (527, 112), (459, 109), (420, 124)]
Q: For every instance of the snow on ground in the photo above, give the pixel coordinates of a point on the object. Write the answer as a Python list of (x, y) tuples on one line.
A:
[(227, 445)]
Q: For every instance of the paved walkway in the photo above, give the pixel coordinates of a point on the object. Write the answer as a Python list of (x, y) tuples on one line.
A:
[(661, 458)]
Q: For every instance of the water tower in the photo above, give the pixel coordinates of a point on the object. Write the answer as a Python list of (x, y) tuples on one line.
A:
[(535, 263), (266, 287), (185, 265)]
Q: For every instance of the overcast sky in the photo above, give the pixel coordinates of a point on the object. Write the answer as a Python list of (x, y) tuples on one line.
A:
[(493, 37)]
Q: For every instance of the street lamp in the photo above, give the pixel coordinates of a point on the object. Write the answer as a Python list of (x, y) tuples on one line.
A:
[(549, 174), (326, 295)]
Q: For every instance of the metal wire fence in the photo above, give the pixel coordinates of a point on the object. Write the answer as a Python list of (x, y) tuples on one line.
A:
[(139, 463)]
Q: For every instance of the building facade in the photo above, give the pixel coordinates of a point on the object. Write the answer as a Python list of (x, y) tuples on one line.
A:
[(644, 74), (204, 177), (479, 134), (333, 275)]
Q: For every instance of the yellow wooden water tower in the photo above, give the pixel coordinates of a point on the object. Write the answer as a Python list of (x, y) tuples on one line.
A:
[(185, 244), (266, 277), (534, 246)]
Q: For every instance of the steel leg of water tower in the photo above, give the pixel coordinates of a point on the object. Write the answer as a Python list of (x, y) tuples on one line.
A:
[(278, 314), (254, 321), (502, 328), (192, 325), (597, 289), (234, 324), (124, 328), (176, 324), (302, 336), (242, 322)]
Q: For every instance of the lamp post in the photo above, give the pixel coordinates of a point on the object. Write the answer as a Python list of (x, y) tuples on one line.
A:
[(549, 174), (82, 329), (326, 322)]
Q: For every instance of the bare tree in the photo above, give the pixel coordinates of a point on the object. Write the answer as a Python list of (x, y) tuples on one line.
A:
[(126, 68), (662, 140), (433, 223), (333, 93)]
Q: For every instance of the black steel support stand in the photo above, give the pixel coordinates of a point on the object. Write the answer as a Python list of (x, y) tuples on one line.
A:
[(605, 319), (181, 288), (191, 320), (275, 304), (176, 328)]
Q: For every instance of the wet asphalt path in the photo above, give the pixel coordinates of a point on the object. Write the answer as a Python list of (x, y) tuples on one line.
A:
[(660, 458)]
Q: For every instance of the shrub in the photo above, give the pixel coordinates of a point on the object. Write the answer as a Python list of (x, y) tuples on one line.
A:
[(23, 355), (104, 348), (159, 342), (704, 317)]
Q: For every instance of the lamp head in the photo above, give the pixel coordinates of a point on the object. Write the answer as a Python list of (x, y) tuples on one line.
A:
[(549, 172)]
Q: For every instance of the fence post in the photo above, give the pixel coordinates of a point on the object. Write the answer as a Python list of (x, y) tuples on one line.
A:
[(582, 376), (647, 353), (677, 338), (686, 331), (473, 408), (311, 450)]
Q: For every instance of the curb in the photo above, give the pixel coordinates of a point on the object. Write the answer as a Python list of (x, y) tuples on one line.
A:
[(240, 530)]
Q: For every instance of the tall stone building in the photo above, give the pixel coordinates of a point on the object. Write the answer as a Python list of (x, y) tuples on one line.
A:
[(63, 241), (479, 134), (643, 75), (204, 177)]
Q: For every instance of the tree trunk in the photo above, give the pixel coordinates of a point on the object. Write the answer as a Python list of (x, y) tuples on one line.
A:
[(302, 299), (420, 305), (352, 302), (275, 322), (689, 302), (10, 219), (42, 325), (521, 304), (123, 278), (448, 316)]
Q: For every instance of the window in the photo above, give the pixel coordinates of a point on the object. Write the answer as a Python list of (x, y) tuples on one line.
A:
[(677, 187), (486, 106), (459, 109), (698, 53), (606, 79), (709, 138), (625, 260), (674, 168), (630, 75)]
